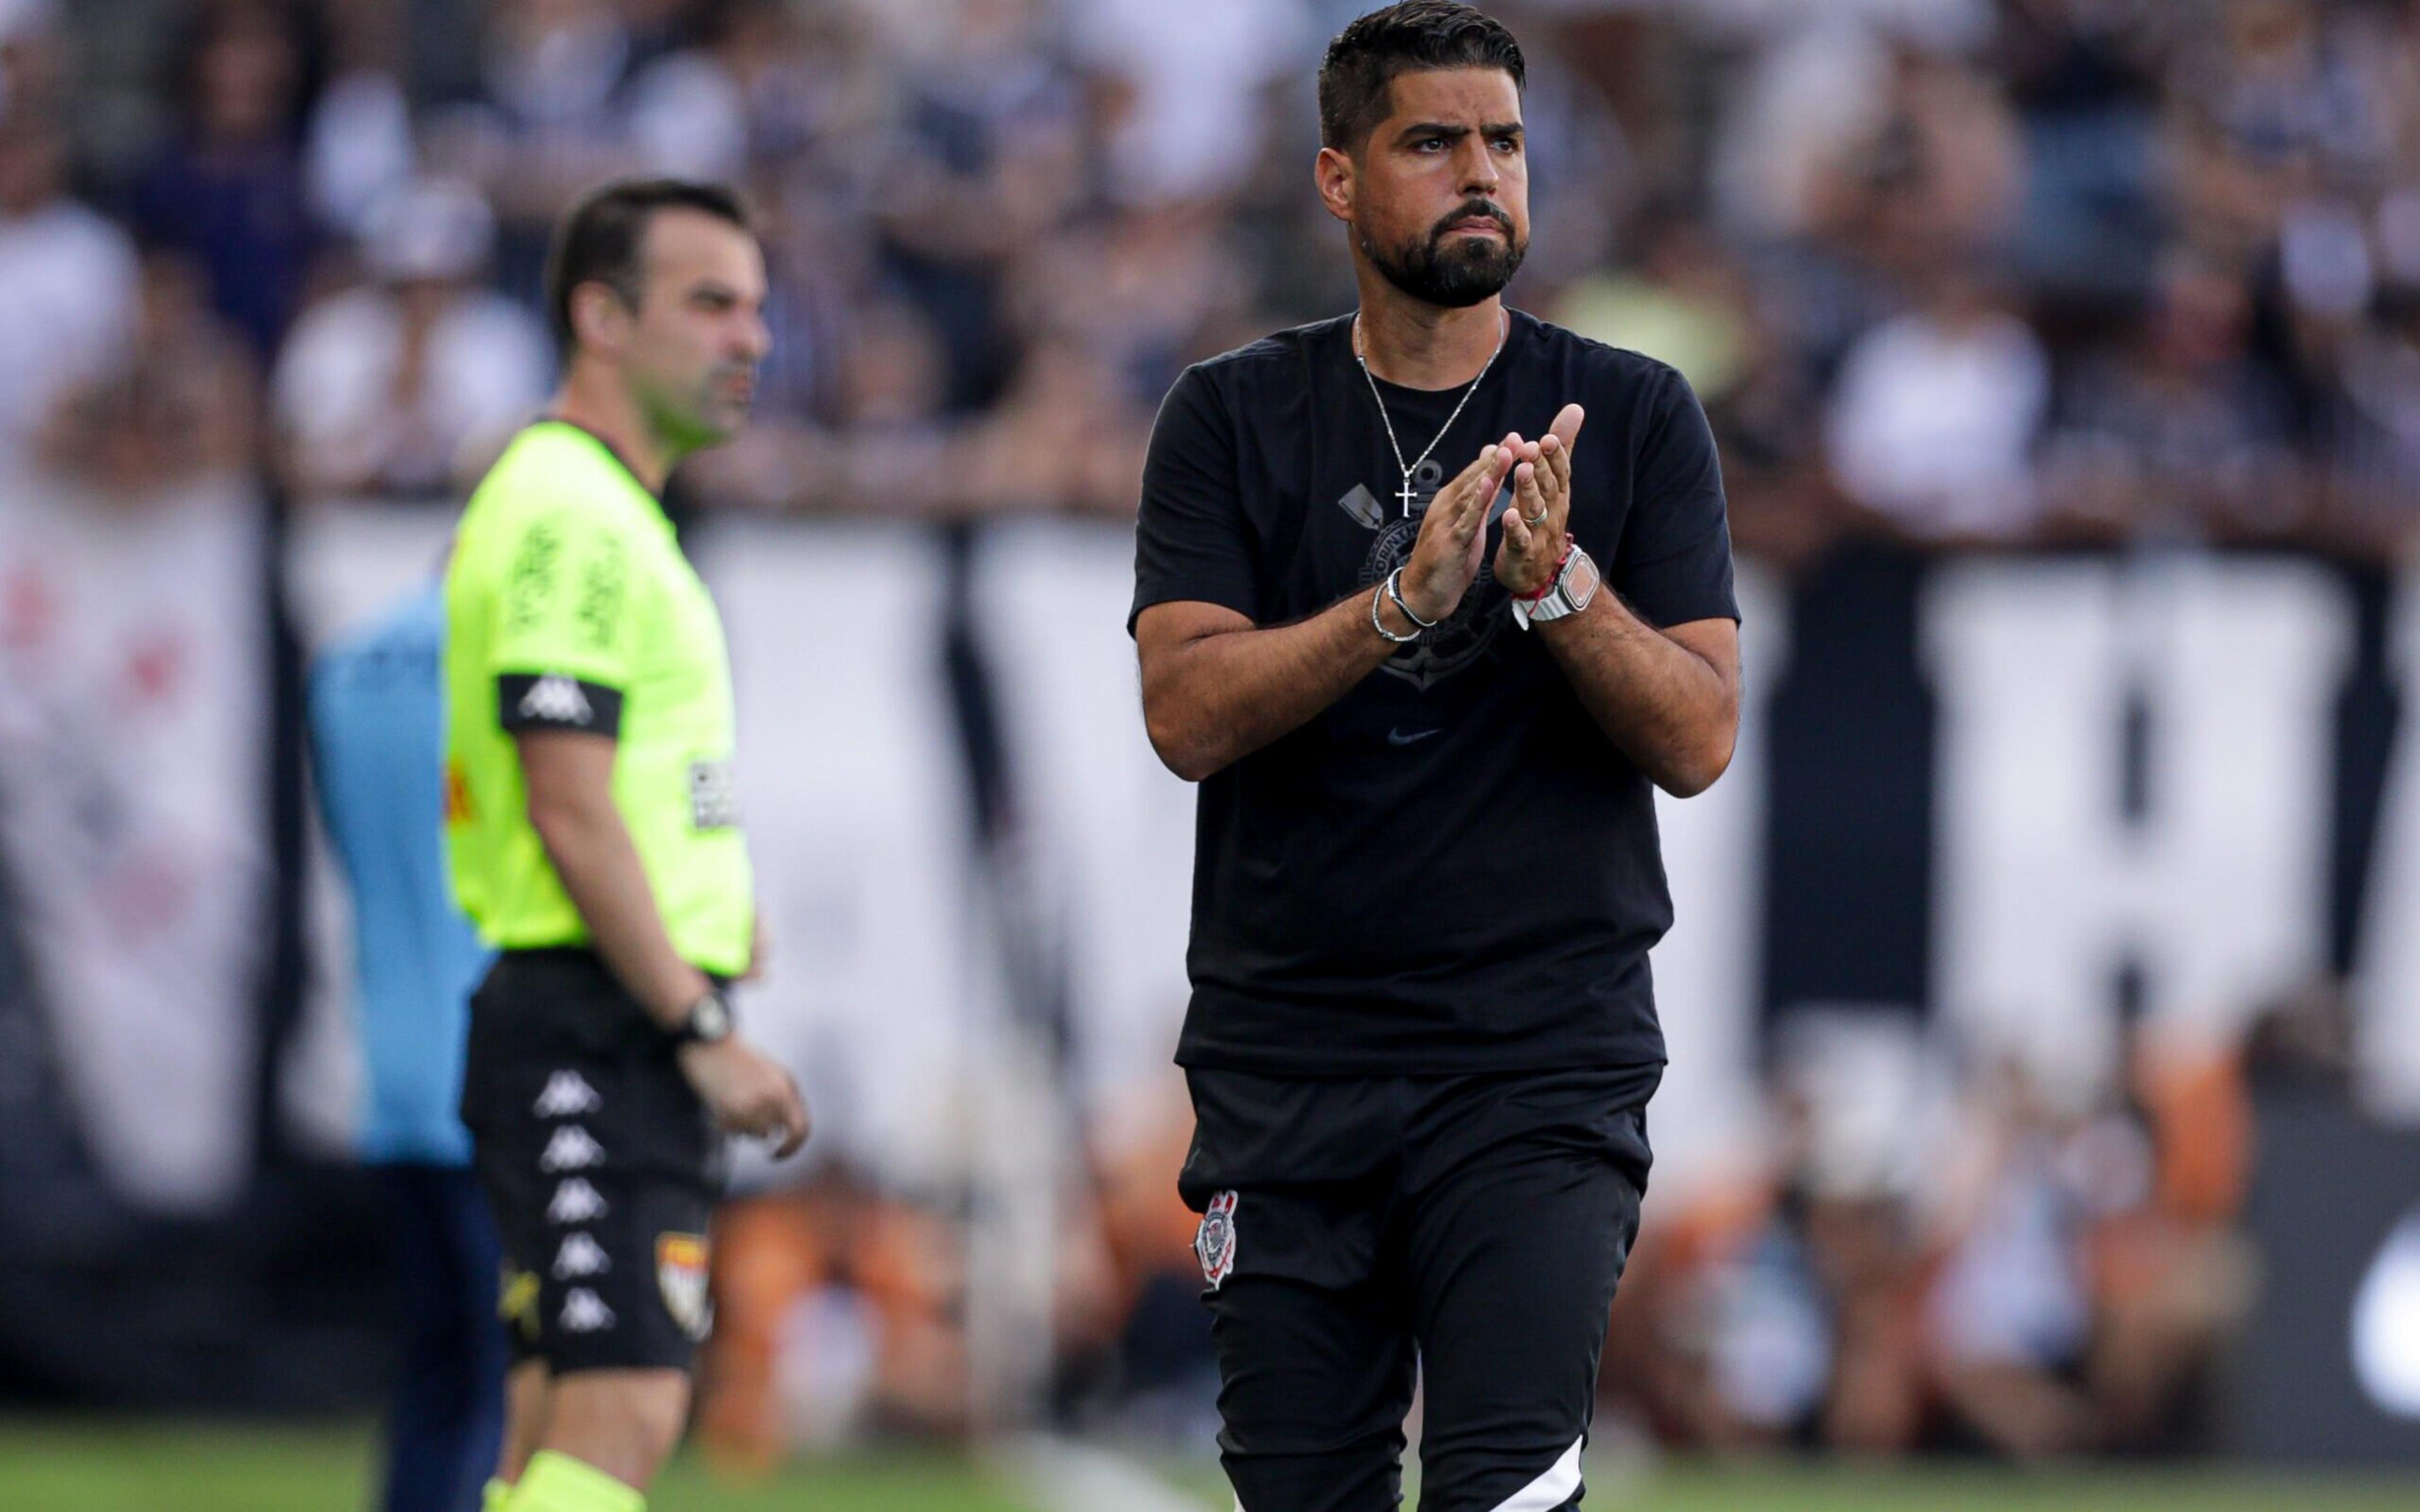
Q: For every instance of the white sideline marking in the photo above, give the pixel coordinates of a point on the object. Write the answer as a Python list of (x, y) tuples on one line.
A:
[(1064, 1474)]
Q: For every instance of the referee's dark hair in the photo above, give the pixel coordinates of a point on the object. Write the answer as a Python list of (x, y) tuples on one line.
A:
[(603, 238), (1410, 36)]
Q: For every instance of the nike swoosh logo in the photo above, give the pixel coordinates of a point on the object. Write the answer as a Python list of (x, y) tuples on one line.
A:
[(1397, 738)]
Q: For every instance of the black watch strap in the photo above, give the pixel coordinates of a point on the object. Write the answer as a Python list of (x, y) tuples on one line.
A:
[(708, 1020)]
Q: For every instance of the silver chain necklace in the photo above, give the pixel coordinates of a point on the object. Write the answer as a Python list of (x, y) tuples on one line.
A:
[(1505, 329)]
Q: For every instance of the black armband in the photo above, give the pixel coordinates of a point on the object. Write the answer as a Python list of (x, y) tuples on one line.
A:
[(557, 701)]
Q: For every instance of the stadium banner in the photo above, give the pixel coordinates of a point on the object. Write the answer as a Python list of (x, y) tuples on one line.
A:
[(134, 745), (879, 988), (2021, 798), (2024, 795)]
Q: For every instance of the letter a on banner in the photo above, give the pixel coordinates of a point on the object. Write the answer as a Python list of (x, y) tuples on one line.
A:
[(2216, 885)]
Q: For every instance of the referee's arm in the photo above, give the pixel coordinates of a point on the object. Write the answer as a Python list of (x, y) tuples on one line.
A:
[(569, 777), (569, 774)]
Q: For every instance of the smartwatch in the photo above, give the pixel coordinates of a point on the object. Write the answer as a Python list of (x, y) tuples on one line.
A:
[(708, 1020), (1574, 585)]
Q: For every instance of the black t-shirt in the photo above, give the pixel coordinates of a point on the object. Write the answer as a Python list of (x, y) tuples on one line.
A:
[(1450, 869)]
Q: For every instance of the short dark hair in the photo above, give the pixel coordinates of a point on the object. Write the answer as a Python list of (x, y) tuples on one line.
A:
[(601, 239), (1410, 36)]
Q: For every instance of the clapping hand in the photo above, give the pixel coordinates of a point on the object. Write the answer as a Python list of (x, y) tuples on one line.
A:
[(1536, 526)]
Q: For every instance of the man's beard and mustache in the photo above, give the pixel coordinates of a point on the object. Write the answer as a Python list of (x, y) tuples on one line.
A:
[(1456, 274)]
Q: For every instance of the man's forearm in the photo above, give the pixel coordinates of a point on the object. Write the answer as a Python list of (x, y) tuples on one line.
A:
[(599, 862), (1674, 713), (1223, 696)]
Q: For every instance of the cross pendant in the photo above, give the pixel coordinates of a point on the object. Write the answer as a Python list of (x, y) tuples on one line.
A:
[(1406, 496)]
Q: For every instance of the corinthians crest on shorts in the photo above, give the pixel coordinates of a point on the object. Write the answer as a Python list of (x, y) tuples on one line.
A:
[(1214, 1243), (680, 1274)]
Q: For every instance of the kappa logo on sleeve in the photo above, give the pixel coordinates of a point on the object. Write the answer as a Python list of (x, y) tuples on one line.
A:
[(1214, 1243), (566, 1095), (556, 699)]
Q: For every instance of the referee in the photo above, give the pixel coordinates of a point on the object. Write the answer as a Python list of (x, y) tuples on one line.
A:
[(1427, 710), (595, 839)]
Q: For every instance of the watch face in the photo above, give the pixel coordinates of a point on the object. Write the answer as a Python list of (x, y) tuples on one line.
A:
[(711, 1018), (1582, 580)]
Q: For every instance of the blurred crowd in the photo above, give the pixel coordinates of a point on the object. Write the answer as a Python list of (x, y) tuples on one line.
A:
[(1951, 271), (1945, 273)]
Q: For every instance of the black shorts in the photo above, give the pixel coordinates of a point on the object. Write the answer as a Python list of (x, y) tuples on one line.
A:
[(1474, 1225), (601, 1165)]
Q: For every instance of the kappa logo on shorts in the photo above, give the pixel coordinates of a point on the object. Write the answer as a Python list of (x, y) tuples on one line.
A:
[(580, 1255), (575, 1202), (1214, 1243), (556, 699), (572, 1148), (585, 1312), (568, 1093), (681, 1275)]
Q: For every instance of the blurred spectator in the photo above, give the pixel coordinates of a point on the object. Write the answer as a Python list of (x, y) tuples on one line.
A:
[(1139, 291), (2010, 1315), (377, 730), (1066, 436), (1184, 112), (181, 404), (72, 277), (748, 94), (1686, 304), (407, 384), (992, 157), (889, 447), (29, 55), (1932, 423), (2084, 76), (2281, 101), (2176, 429), (839, 1310), (545, 125), (226, 189), (359, 146), (2171, 1273)]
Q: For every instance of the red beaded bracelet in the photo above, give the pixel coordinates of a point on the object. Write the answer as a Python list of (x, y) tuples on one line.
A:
[(1554, 577)]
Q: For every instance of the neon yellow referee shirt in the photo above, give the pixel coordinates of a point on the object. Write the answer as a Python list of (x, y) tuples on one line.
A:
[(569, 605)]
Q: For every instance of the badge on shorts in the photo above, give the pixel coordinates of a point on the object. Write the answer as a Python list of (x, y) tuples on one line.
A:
[(1214, 1243), (516, 1300), (680, 1274)]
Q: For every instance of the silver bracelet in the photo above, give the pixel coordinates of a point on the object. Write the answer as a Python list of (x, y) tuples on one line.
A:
[(1395, 592), (1380, 626)]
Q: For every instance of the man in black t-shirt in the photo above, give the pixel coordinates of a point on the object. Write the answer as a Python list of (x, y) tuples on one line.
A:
[(1422, 1035)]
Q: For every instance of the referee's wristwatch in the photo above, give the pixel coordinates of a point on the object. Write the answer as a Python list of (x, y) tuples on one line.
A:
[(1576, 583), (708, 1021)]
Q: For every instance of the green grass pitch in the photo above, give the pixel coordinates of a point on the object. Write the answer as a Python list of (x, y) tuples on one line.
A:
[(52, 1465)]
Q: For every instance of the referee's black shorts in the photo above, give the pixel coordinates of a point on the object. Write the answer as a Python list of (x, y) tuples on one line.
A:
[(599, 1161), (1473, 1225)]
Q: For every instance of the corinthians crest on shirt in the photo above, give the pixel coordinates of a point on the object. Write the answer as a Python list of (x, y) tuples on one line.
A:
[(681, 1276), (1214, 1243), (1462, 636)]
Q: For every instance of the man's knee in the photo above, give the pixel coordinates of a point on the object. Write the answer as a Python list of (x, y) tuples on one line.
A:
[(623, 1422)]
